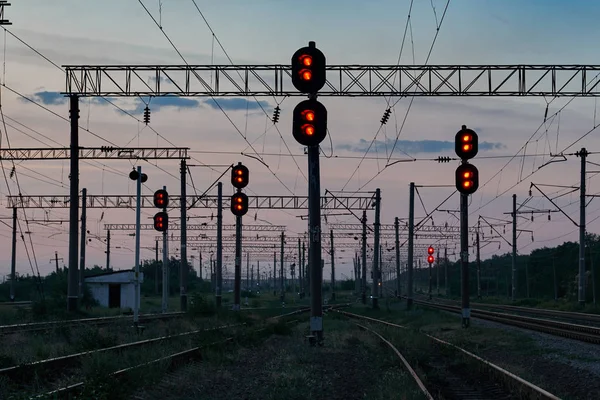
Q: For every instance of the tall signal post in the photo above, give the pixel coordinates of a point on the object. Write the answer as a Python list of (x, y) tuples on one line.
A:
[(240, 176), (467, 182), (430, 260), (161, 224), (139, 177), (309, 128)]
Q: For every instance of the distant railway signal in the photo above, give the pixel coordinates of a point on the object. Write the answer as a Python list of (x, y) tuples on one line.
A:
[(240, 176), (430, 259), (239, 204), (161, 221), (467, 178), (161, 198), (309, 125), (308, 69), (466, 143), (430, 250)]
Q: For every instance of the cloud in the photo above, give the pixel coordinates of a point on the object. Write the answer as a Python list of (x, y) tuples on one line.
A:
[(412, 146), (158, 103), (236, 104), (48, 98)]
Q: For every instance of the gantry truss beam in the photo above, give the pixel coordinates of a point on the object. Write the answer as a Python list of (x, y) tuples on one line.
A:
[(195, 227), (277, 239), (342, 80), (254, 202), (96, 153), (419, 230)]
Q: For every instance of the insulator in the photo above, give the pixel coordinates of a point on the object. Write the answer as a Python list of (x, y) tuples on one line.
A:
[(549, 218), (386, 116), (276, 112), (504, 229), (146, 115), (531, 217), (532, 237)]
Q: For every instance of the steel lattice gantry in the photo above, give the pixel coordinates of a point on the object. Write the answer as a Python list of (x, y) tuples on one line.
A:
[(277, 239), (403, 228), (342, 80), (96, 153), (196, 227), (208, 201)]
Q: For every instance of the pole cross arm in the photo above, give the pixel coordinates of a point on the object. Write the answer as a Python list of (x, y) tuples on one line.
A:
[(553, 203), (341, 80)]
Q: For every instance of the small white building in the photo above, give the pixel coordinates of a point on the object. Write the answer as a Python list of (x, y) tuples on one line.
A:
[(114, 289)]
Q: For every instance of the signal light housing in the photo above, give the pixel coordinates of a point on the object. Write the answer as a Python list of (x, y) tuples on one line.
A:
[(308, 69), (467, 179), (466, 143), (239, 204), (309, 122), (430, 259), (430, 250), (240, 175), (161, 198), (161, 221)]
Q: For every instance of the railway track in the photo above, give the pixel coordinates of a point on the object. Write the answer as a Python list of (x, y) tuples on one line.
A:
[(44, 326), (584, 333), (172, 361), (460, 383)]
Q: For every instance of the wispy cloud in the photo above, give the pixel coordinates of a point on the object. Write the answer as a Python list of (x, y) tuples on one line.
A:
[(411, 146), (48, 98), (237, 104)]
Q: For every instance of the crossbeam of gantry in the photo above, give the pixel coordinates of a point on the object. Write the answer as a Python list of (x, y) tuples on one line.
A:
[(207, 201), (403, 228), (195, 227), (342, 80), (95, 153)]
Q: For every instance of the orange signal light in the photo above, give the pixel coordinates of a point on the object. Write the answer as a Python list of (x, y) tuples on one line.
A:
[(467, 138), (467, 184), (467, 174), (467, 147), (309, 115), (308, 129), (306, 74), (306, 60)]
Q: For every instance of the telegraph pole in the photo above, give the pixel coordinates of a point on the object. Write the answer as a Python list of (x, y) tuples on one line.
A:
[(108, 250), (138, 210), (73, 204), (281, 269), (219, 278), (364, 257), (398, 274), (583, 153), (300, 262), (237, 284), (13, 259), (165, 267), (56, 260), (83, 243), (183, 267), (478, 262), (437, 272), (332, 266), (156, 270), (514, 249), (411, 233), (376, 271), (274, 273)]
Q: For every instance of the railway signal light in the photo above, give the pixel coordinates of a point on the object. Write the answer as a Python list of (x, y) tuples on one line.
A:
[(161, 221), (467, 179), (309, 122), (308, 69), (239, 204), (161, 198), (430, 250), (133, 175), (240, 175), (430, 258), (466, 143)]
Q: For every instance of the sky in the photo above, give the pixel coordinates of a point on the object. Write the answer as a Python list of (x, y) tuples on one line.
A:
[(76, 32)]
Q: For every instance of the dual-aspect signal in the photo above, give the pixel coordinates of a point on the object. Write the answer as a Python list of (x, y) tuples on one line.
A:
[(466, 147), (240, 175), (161, 218)]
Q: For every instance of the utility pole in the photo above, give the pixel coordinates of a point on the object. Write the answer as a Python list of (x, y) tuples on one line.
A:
[(251, 277), (314, 217), (237, 284), (464, 258), (281, 269), (165, 267), (83, 243), (514, 249), (56, 261), (364, 257), (258, 273), (332, 266), (446, 285), (108, 250), (376, 271), (219, 277), (13, 259), (156, 270), (200, 258), (478, 261), (437, 272), (183, 267), (138, 215), (274, 273), (247, 271), (411, 232), (398, 274), (583, 153), (72, 298), (300, 283)]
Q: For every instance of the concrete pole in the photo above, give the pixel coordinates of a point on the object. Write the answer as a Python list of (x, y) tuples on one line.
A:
[(13, 259), (72, 298), (138, 212), (219, 277), (376, 272), (183, 267), (83, 243), (411, 231), (332, 266), (281, 269), (581, 287), (364, 257), (397, 246), (108, 250), (514, 249)]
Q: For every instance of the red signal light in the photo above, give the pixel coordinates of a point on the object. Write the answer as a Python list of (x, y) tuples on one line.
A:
[(161, 221), (308, 115), (161, 198), (430, 250), (306, 74), (239, 204), (430, 259), (306, 60), (240, 176)]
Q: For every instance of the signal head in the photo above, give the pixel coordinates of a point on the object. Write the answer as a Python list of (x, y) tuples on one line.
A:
[(240, 175), (161, 221), (239, 204), (466, 143), (309, 123), (161, 198), (467, 179), (308, 69)]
